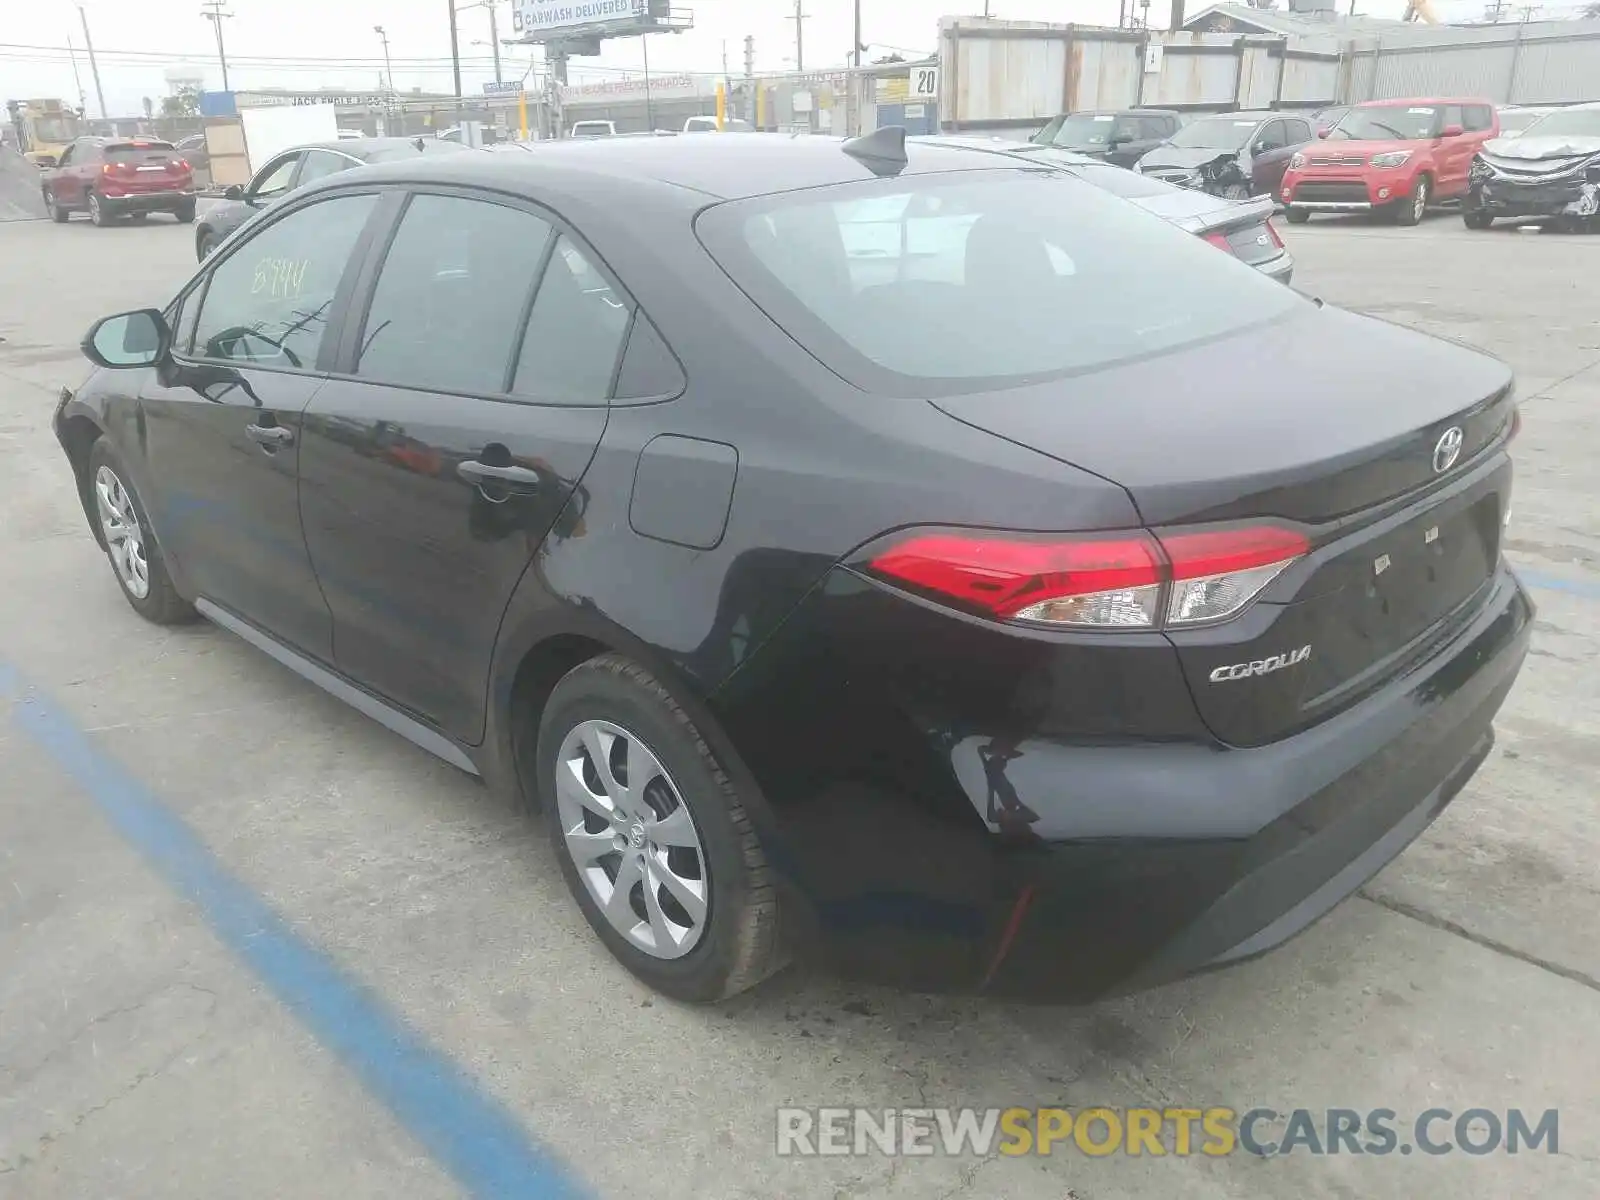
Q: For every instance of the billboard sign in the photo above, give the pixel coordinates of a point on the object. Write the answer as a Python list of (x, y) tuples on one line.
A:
[(509, 88), (530, 18)]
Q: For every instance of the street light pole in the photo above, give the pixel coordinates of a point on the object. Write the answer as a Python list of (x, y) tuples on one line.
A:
[(214, 11), (94, 65), (855, 54)]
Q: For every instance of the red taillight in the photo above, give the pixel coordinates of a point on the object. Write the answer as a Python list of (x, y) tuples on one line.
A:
[(182, 164), (108, 168), (1219, 240), (1122, 580), (1272, 232)]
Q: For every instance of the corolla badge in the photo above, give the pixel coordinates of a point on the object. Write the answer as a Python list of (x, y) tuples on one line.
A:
[(1447, 449), (1261, 666)]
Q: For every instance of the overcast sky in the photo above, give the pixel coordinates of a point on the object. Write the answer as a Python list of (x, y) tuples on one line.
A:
[(138, 40)]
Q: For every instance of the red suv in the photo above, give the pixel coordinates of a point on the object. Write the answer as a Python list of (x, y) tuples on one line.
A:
[(1396, 156), (115, 177)]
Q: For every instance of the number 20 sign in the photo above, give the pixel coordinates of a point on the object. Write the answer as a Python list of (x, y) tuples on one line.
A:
[(925, 83)]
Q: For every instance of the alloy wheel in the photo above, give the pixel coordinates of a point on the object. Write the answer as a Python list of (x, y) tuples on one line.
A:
[(124, 536), (632, 839), (95, 213), (1419, 200)]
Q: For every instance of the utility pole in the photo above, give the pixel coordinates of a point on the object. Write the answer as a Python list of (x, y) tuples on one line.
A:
[(455, 47), (649, 107), (216, 11), (72, 51), (750, 79), (855, 54), (388, 72), (94, 65), (799, 19), (494, 37)]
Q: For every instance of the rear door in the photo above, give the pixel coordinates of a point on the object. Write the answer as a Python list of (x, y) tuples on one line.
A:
[(453, 440), (221, 422)]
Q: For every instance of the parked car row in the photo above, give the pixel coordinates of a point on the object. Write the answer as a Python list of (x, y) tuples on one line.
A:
[(1397, 157)]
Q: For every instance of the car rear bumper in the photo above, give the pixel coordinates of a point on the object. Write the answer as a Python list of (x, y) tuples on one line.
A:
[(148, 201), (1280, 268), (1096, 867)]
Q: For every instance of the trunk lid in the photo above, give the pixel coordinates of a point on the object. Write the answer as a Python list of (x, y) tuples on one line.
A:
[(1326, 420), (146, 167)]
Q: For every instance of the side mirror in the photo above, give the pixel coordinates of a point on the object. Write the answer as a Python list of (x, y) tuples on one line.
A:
[(1451, 131), (1325, 131), (233, 192), (131, 339)]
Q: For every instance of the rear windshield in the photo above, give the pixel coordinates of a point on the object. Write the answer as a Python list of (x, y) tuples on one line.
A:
[(1389, 123), (140, 153), (1576, 122), (939, 284), (1214, 133)]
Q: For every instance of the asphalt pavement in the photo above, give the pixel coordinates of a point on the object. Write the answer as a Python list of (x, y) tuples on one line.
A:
[(253, 945)]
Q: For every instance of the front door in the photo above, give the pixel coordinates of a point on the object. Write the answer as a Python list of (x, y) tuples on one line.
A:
[(452, 442), (1454, 154), (1269, 158), (223, 420)]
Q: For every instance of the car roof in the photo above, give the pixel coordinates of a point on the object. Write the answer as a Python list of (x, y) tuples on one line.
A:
[(1395, 101), (1121, 112), (362, 147), (1248, 114), (719, 168)]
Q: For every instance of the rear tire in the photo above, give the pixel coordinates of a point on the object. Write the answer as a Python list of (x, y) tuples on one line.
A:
[(130, 545), (99, 214), (57, 214), (1297, 216), (185, 214), (139, 218), (1476, 218), (723, 937), (1411, 210)]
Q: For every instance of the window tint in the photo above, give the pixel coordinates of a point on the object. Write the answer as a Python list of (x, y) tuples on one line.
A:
[(66, 155), (934, 285), (1299, 130), (575, 333), (140, 153), (274, 177), (321, 163), (1156, 127), (268, 302), (1271, 136), (1479, 117), (1126, 129), (452, 295), (1452, 115)]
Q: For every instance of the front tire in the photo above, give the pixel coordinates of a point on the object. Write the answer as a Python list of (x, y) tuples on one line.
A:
[(1476, 218), (1298, 216), (206, 245), (654, 841), (1411, 210), (130, 545)]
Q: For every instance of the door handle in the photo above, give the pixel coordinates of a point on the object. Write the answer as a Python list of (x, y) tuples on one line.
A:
[(269, 437), (482, 474)]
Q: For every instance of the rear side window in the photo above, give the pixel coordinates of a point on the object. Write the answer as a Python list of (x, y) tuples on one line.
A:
[(575, 332), (141, 154), (321, 163), (1479, 117), (1453, 116), (452, 296), (931, 285), (268, 302)]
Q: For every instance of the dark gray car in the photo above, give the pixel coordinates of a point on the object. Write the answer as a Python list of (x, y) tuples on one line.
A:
[(295, 168), (1236, 155)]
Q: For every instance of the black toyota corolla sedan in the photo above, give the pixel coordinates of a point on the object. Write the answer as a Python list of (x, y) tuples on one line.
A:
[(903, 556)]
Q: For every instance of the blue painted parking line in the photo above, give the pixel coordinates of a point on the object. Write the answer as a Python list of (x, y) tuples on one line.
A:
[(469, 1133), (1588, 589)]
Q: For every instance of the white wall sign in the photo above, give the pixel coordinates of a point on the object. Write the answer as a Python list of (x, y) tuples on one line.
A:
[(924, 83), (1152, 58)]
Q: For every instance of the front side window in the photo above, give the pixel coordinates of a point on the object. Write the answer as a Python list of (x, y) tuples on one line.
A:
[(1479, 117), (322, 163), (452, 295), (274, 177), (268, 302), (934, 285), (1390, 123), (575, 332)]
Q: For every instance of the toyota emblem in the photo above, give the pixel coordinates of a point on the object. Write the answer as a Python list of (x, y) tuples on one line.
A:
[(1447, 450)]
